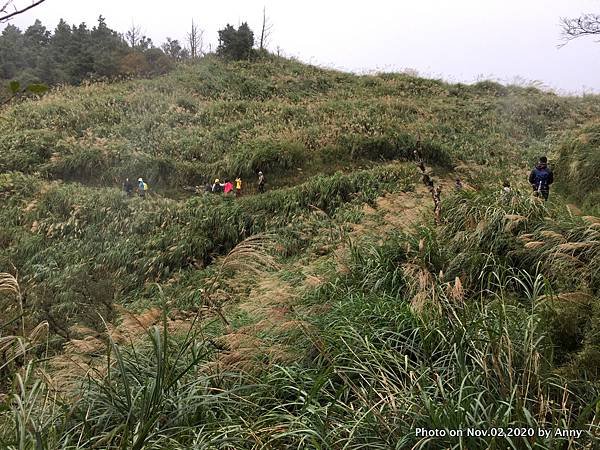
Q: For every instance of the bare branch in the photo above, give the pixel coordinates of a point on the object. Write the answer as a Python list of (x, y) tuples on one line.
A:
[(195, 41), (266, 29), (5, 16), (585, 25), (6, 5), (133, 35)]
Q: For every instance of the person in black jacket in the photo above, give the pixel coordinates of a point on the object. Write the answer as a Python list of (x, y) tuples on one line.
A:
[(128, 187), (261, 182), (540, 178)]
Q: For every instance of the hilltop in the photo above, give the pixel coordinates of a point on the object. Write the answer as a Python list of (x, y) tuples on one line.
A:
[(330, 310), (212, 117)]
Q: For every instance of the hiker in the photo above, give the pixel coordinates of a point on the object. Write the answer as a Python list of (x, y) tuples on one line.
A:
[(217, 186), (417, 156), (261, 182), (417, 150), (228, 187), (436, 194), (458, 185), (238, 187), (427, 181), (128, 187), (141, 188), (506, 191), (540, 178)]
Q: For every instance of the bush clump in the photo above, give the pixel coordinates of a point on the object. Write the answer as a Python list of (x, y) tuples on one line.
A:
[(396, 146), (578, 166)]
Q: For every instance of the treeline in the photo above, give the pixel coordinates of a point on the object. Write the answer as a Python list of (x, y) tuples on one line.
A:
[(71, 54)]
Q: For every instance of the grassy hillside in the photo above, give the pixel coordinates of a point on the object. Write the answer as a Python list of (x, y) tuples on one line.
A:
[(579, 162), (280, 116), (329, 312)]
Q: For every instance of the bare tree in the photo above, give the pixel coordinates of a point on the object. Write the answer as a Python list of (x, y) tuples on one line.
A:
[(266, 29), (195, 41), (584, 25), (133, 35), (6, 14)]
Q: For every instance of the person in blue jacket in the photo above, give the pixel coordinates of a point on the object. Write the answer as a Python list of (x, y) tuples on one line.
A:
[(540, 178)]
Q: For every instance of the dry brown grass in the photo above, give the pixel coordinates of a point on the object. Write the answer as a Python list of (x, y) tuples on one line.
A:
[(591, 219), (313, 281), (9, 284), (526, 237), (14, 347), (85, 357), (399, 211), (574, 246), (457, 292), (575, 297), (513, 221), (421, 284), (552, 235), (252, 255), (534, 244)]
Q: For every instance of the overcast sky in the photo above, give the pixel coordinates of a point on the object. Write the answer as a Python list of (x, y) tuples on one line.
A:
[(457, 40)]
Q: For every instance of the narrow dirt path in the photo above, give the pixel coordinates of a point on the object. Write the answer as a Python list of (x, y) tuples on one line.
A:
[(268, 307), (271, 303)]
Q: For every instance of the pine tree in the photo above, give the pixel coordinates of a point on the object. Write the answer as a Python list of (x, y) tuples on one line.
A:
[(236, 44)]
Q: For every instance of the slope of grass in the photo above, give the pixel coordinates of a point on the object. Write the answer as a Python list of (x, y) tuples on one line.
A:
[(216, 119), (489, 319), (405, 339), (579, 166), (66, 236)]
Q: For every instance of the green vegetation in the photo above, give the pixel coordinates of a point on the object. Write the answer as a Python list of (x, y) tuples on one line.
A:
[(150, 241), (72, 54), (218, 119), (236, 44), (329, 312), (579, 162)]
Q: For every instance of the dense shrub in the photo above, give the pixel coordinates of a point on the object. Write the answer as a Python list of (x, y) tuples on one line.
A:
[(489, 88), (578, 166), (27, 150), (394, 146), (271, 157)]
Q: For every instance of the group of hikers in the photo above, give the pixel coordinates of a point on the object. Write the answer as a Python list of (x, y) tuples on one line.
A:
[(224, 187), (540, 179), (141, 188), (227, 187), (217, 187)]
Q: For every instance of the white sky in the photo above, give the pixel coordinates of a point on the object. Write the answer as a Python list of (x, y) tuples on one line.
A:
[(457, 40)]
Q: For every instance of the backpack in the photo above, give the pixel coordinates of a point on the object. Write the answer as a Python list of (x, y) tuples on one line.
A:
[(145, 187), (541, 177)]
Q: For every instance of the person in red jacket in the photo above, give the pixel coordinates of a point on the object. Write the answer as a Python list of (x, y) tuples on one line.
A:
[(228, 187)]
